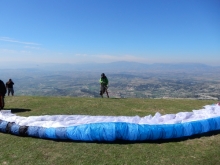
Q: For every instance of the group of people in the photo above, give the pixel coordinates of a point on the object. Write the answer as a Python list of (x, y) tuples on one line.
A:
[(3, 90), (9, 87)]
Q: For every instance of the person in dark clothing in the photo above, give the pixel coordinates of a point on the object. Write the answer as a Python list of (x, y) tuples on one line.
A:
[(2, 94), (104, 85), (9, 86)]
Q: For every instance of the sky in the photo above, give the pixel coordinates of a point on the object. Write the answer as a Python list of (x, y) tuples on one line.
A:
[(103, 31)]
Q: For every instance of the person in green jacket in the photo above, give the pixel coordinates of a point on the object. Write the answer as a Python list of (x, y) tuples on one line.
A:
[(104, 85)]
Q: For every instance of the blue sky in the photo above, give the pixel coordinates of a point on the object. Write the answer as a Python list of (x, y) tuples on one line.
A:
[(84, 31)]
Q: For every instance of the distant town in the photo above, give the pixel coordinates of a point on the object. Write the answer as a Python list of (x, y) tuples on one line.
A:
[(194, 84)]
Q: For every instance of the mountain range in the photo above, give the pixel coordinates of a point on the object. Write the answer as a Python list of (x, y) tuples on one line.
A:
[(121, 66)]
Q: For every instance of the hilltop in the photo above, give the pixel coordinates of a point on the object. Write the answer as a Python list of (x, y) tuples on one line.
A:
[(197, 150)]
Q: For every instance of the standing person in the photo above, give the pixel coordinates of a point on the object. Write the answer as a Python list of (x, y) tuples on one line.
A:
[(2, 94), (9, 86), (104, 84)]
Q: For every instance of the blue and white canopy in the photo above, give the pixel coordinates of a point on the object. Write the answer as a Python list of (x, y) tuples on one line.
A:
[(113, 128)]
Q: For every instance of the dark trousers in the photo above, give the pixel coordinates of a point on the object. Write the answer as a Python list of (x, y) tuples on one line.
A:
[(103, 89), (2, 102)]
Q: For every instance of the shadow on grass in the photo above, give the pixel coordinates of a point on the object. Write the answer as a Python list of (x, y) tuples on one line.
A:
[(118, 98), (112, 98), (18, 110)]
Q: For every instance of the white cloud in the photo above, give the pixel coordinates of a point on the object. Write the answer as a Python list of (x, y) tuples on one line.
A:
[(81, 55), (17, 55), (129, 58), (32, 47), (46, 56), (7, 39)]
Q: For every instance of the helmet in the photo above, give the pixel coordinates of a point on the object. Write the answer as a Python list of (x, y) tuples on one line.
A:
[(103, 75)]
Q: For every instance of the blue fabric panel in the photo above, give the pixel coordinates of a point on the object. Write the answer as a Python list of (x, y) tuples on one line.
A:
[(156, 132), (178, 130), (15, 129), (168, 131), (107, 132), (187, 129), (41, 132), (36, 131), (61, 133), (102, 131), (86, 132), (132, 134), (74, 133), (50, 133), (144, 133), (3, 125), (197, 127), (96, 131), (33, 131), (205, 126), (212, 124), (217, 119), (121, 130)]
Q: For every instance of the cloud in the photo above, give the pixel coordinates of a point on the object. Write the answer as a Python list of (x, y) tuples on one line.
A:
[(81, 55), (87, 58), (14, 55), (7, 39), (30, 54), (32, 47), (129, 58)]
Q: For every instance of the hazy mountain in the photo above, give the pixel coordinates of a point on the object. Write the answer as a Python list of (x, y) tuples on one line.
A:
[(123, 66), (127, 79), (133, 67)]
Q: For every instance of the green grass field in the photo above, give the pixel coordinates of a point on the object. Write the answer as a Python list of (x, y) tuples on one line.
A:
[(27, 150)]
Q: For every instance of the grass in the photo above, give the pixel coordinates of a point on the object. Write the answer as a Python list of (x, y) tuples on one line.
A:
[(27, 150)]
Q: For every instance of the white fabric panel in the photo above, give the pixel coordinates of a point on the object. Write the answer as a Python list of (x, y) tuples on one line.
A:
[(208, 111)]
